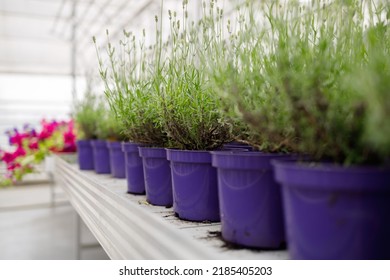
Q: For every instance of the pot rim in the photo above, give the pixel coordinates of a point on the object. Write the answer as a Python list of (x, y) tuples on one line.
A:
[(152, 152), (294, 164), (331, 177), (188, 156), (83, 142), (244, 160), (99, 143), (130, 147), (114, 144)]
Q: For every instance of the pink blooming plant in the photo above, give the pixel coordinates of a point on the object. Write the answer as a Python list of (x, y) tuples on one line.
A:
[(30, 147)]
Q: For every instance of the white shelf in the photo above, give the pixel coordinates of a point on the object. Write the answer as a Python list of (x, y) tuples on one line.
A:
[(128, 227)]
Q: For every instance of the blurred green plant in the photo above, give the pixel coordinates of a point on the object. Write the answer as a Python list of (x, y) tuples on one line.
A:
[(239, 63), (371, 84), (312, 79), (87, 114), (315, 54), (109, 127)]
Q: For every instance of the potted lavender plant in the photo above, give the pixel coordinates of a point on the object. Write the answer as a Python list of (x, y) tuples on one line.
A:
[(194, 124), (85, 116), (332, 70), (249, 197), (131, 90)]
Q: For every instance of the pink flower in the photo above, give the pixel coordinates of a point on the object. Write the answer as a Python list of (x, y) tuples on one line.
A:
[(69, 137), (69, 148), (53, 136), (48, 128), (8, 157), (19, 152), (13, 166), (44, 134), (33, 133), (17, 138), (71, 124), (33, 145)]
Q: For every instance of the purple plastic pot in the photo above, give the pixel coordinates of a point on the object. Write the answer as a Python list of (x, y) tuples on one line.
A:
[(335, 212), (117, 159), (157, 172), (237, 145), (101, 156), (85, 154), (134, 169), (195, 186), (249, 199)]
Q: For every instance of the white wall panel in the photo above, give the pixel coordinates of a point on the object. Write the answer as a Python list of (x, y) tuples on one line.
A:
[(28, 99)]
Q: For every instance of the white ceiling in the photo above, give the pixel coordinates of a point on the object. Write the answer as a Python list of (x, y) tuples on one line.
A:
[(26, 42), (36, 35)]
